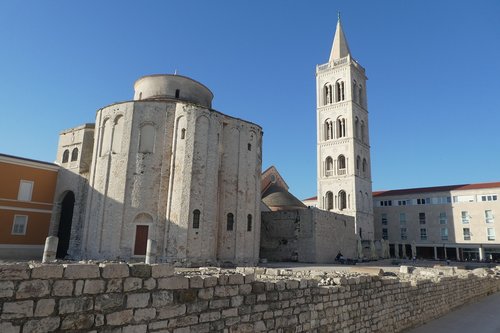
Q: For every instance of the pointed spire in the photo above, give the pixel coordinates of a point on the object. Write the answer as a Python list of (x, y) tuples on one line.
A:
[(340, 49)]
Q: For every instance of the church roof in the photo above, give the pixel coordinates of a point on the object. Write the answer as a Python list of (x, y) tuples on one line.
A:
[(276, 196), (446, 188), (340, 48)]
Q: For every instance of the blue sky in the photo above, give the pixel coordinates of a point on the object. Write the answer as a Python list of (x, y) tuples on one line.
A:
[(433, 69)]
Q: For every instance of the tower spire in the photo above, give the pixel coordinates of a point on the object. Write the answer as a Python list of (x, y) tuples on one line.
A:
[(340, 48)]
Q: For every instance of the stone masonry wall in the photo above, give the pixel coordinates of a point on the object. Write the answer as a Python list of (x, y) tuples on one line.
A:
[(129, 298)]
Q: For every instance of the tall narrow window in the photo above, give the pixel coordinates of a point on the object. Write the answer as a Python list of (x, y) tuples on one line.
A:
[(341, 128), (25, 190), (183, 134), (342, 91), (249, 222), (360, 95), (65, 156), (465, 217), (354, 90), (404, 235), (329, 200), (385, 234), (423, 234), (365, 167), (362, 130), (342, 200), (249, 147), (444, 233), (230, 222), (443, 219), (118, 135), (402, 218), (74, 155), (356, 128), (491, 234), (341, 165), (421, 218), (177, 93), (196, 219), (384, 218), (358, 162), (488, 216), (106, 137), (337, 91), (329, 167), (466, 232)]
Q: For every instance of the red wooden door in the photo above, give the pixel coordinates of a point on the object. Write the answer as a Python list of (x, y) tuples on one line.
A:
[(141, 240)]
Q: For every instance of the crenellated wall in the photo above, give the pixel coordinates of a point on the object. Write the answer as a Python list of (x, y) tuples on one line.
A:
[(155, 298)]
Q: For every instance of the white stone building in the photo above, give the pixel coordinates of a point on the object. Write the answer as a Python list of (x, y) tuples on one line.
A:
[(164, 166), (343, 150), (455, 222)]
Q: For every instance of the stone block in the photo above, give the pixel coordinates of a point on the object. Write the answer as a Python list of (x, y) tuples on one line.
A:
[(6, 289), (210, 281), (21, 309), (219, 303), (162, 270), (6, 327), (140, 270), (132, 283), (162, 298), (197, 307), (144, 314), (94, 287), (174, 282), (49, 324), (99, 320), (149, 284), (182, 330), (209, 316), (114, 286), (135, 329), (237, 300), (183, 321), (225, 291), (171, 311), (196, 282), (245, 289), (71, 305), (292, 284), (79, 287), (236, 279), (47, 272), (81, 271), (120, 317), (108, 301), (114, 271), (249, 278), (258, 288), (206, 293), (185, 296), (77, 321), (232, 312), (158, 325), (139, 300), (33, 288), (62, 288), (44, 307), (14, 272), (200, 328)]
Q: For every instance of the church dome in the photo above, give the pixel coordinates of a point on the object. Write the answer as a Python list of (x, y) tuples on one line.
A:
[(162, 86)]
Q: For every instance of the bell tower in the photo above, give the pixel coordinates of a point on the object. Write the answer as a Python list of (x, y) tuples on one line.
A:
[(343, 150)]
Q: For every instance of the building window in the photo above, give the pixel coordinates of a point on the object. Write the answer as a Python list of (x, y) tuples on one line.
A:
[(386, 203), (25, 190), (403, 202), (196, 219), (443, 219), (402, 218), (365, 166), (423, 201), (249, 222), (489, 197), (488, 216), (362, 130), (20, 224), (177, 93), (339, 91), (327, 94), (358, 162), (341, 128), (341, 165), (356, 128), (466, 233), (230, 222), (404, 236), (465, 217), (74, 155), (65, 156), (329, 167), (491, 234), (183, 134), (329, 200), (342, 200), (421, 218), (385, 234), (444, 233), (423, 234), (384, 219), (249, 146), (328, 129)]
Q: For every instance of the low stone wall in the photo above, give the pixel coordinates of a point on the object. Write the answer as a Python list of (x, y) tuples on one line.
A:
[(155, 298)]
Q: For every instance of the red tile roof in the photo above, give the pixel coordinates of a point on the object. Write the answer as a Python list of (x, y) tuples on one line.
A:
[(446, 188)]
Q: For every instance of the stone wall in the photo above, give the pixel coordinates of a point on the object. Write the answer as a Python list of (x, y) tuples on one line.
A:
[(154, 298)]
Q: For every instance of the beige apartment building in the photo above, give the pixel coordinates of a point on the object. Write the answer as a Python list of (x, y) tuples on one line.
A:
[(454, 222)]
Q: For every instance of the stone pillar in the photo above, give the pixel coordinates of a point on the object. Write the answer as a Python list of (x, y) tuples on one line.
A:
[(435, 253), (445, 253), (396, 250), (50, 249), (481, 253), (150, 252), (458, 253)]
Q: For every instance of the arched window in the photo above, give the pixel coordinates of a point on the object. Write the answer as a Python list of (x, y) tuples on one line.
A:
[(358, 162), (329, 166), (329, 200), (249, 146), (362, 130), (147, 138), (354, 90), (328, 129), (360, 95), (337, 91), (196, 219), (341, 126), (341, 165), (65, 156), (365, 166), (249, 222), (230, 222), (342, 91), (74, 154), (183, 134), (342, 200), (106, 137), (118, 134), (356, 128)]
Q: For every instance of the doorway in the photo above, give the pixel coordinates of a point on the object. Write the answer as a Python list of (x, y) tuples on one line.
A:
[(141, 240), (65, 220)]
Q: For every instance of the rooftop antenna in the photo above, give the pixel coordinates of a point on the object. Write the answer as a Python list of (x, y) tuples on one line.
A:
[(338, 14)]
